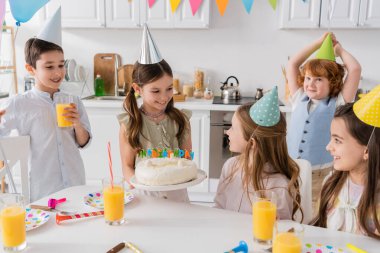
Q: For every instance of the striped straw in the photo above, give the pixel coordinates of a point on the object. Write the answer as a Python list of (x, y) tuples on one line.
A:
[(110, 162)]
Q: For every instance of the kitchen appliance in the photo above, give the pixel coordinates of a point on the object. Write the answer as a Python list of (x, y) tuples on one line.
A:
[(259, 93), (230, 90), (219, 151), (241, 101)]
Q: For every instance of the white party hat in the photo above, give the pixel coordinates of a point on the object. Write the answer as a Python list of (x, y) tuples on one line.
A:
[(149, 51), (52, 30)]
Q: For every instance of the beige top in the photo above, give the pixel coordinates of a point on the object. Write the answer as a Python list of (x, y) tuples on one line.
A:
[(231, 195), (161, 135)]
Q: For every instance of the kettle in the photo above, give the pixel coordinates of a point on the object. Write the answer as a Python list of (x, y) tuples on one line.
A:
[(230, 90)]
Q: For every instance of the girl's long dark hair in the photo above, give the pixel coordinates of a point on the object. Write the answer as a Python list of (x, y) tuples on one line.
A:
[(333, 185), (143, 74)]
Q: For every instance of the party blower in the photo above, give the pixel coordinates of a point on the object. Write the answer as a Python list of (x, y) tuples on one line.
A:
[(242, 247), (59, 218)]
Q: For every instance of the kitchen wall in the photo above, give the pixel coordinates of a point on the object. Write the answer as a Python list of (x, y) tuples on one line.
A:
[(248, 46)]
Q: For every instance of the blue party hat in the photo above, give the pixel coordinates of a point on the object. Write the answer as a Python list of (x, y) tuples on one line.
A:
[(266, 111)]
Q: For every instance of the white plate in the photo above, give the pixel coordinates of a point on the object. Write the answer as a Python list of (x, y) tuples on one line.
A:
[(35, 218), (80, 74), (95, 199), (201, 175), (71, 65)]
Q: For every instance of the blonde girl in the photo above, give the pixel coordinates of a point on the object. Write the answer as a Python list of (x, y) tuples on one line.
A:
[(263, 163)]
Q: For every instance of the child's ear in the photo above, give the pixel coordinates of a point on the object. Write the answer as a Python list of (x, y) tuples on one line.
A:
[(29, 68), (252, 142), (136, 88), (365, 156)]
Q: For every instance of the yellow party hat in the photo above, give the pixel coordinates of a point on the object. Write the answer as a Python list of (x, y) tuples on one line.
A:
[(326, 51), (367, 109)]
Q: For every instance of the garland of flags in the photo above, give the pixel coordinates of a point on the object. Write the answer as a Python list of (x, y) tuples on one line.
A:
[(222, 5)]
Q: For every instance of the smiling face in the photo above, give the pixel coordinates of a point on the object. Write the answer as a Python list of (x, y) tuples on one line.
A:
[(347, 152), (236, 136), (49, 72), (316, 87), (156, 95)]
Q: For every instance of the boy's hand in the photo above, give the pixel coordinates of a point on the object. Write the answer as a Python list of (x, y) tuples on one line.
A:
[(72, 114)]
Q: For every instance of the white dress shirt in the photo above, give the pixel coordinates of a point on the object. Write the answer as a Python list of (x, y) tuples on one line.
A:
[(54, 162)]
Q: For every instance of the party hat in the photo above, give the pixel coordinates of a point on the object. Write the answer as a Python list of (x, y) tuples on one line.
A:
[(266, 111), (326, 51), (367, 109), (149, 51), (52, 30)]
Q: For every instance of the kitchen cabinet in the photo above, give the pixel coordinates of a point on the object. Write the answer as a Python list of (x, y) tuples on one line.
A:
[(128, 14), (355, 14), (105, 127)]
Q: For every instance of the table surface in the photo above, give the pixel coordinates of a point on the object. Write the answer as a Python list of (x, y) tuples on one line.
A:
[(158, 225)]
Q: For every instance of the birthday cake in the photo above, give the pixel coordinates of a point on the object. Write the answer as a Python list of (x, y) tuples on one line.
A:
[(165, 171)]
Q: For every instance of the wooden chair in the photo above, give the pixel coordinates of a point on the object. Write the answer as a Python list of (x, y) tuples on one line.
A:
[(14, 149), (305, 190)]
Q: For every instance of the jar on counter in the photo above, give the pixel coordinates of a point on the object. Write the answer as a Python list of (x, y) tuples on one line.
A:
[(188, 90), (208, 94), (198, 93)]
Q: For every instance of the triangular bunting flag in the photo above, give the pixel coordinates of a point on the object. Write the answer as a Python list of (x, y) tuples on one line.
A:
[(248, 5), (273, 3), (151, 2), (195, 5), (174, 4), (222, 4)]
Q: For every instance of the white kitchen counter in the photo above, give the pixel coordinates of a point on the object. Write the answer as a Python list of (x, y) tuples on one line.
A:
[(190, 104)]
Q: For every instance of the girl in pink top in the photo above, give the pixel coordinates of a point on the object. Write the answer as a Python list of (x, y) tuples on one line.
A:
[(351, 194), (263, 163)]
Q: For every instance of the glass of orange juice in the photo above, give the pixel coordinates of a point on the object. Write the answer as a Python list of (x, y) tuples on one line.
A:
[(288, 237), (12, 220), (263, 217), (62, 102), (113, 196)]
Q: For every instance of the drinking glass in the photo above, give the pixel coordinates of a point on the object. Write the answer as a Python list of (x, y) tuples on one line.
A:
[(12, 220), (288, 237), (263, 217), (63, 102), (113, 196)]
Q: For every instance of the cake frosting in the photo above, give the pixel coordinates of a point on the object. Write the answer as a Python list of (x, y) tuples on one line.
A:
[(165, 171)]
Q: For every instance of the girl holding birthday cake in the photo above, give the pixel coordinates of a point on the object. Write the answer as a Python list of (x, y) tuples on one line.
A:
[(156, 124)]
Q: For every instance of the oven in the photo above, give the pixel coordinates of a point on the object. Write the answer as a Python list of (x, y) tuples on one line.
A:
[(219, 143), (220, 122)]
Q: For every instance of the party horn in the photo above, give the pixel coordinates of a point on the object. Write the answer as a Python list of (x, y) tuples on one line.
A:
[(52, 203), (243, 247), (59, 218), (121, 246)]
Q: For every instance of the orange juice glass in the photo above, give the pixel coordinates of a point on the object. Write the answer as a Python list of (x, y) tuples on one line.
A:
[(263, 217), (288, 237), (61, 120), (12, 220), (63, 101), (113, 196)]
